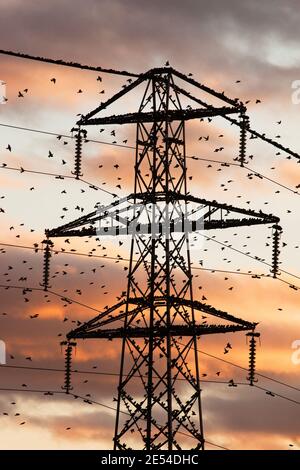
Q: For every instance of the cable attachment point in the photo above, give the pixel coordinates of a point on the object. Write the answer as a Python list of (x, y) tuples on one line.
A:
[(48, 245), (277, 231), (80, 135), (68, 364), (244, 126), (252, 356)]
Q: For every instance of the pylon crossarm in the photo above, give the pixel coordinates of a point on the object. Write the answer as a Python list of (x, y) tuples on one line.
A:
[(91, 218), (179, 330), (95, 325), (107, 317), (143, 304), (230, 223), (253, 132), (229, 208), (196, 305), (210, 91), (124, 91), (177, 225), (170, 115)]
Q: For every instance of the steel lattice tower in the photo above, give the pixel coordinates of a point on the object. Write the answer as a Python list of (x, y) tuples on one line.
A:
[(157, 317)]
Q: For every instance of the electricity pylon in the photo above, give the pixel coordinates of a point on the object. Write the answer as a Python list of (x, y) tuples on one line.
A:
[(157, 318)]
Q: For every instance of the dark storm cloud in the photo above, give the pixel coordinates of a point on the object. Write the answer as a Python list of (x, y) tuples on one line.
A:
[(138, 33)]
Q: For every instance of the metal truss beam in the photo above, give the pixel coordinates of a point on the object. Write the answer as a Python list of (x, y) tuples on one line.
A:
[(179, 330), (171, 115)]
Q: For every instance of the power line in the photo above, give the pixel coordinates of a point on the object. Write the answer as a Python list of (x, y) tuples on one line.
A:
[(115, 258), (119, 258), (8, 389), (61, 296), (193, 267), (216, 445), (90, 400), (223, 163), (248, 255), (31, 390), (130, 74), (245, 369), (57, 176), (108, 374), (225, 271), (278, 395), (255, 173), (97, 310), (23, 170), (68, 64), (49, 369), (65, 136)]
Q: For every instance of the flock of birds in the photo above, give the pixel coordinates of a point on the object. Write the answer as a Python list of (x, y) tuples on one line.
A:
[(115, 167)]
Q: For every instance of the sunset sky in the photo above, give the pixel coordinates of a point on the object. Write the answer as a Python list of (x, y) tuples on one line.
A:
[(250, 50)]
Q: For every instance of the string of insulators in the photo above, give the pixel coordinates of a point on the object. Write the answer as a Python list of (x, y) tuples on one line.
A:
[(68, 364), (80, 135), (244, 121), (252, 356), (46, 268), (277, 231)]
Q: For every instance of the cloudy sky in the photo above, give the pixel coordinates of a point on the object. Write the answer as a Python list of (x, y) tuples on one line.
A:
[(249, 50)]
